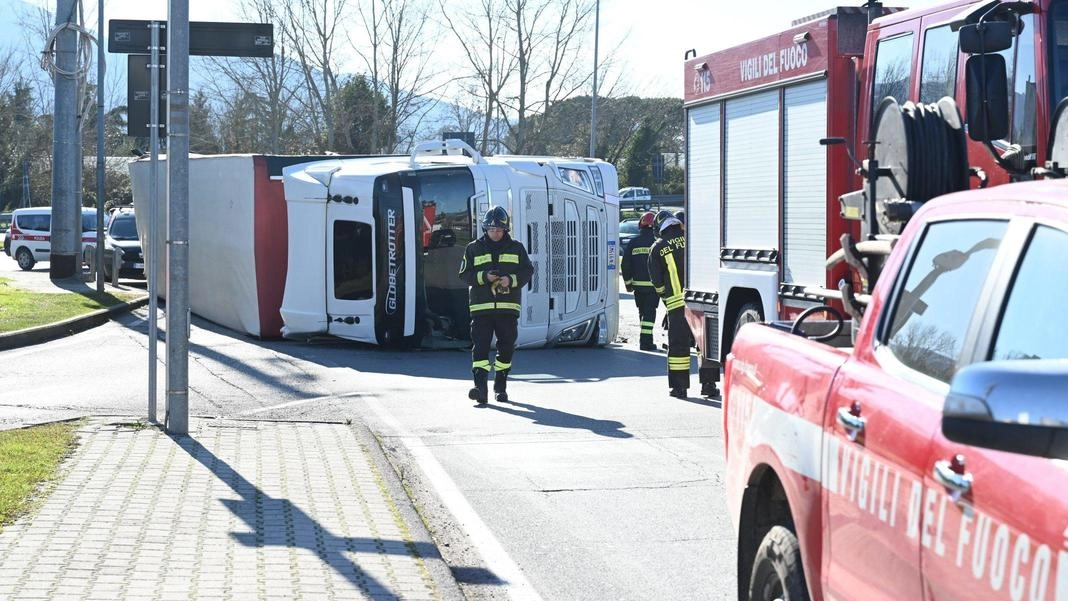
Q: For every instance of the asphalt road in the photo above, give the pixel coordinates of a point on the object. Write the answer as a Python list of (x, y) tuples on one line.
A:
[(592, 484)]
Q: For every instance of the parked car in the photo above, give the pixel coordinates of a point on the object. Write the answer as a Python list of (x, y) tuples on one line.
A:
[(634, 197), (628, 228), (31, 234), (121, 236)]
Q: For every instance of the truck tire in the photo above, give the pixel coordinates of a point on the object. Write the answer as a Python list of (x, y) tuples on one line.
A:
[(749, 312), (777, 571)]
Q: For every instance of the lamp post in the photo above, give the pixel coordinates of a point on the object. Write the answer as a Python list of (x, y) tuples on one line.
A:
[(593, 102)]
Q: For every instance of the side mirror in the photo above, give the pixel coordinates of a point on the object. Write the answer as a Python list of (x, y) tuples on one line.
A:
[(986, 80), (1016, 406), (987, 37)]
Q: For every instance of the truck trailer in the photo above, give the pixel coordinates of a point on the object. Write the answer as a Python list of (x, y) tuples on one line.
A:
[(368, 248)]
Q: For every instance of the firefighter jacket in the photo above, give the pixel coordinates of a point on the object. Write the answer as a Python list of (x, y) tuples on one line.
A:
[(635, 262), (667, 267), (508, 258)]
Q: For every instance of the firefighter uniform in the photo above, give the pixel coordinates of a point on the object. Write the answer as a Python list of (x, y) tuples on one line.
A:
[(635, 269), (496, 272), (667, 271)]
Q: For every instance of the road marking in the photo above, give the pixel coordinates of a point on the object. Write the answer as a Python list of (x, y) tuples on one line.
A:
[(299, 402), (497, 560)]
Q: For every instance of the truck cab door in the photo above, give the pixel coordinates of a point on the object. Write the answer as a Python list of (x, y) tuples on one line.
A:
[(351, 259)]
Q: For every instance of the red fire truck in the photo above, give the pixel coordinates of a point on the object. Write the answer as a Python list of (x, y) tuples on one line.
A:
[(763, 194)]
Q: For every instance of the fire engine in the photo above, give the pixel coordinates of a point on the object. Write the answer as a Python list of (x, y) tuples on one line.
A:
[(763, 193)]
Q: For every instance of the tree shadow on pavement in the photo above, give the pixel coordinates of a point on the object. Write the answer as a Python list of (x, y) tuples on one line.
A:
[(301, 530), (563, 419)]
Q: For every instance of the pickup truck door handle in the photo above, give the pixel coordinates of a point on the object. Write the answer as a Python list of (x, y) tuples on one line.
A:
[(850, 420), (952, 475)]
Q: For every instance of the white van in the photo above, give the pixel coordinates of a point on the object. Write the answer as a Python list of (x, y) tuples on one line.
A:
[(635, 198), (30, 234)]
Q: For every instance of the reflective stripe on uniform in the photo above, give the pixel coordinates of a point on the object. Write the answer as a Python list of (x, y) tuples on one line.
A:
[(501, 365), (642, 283), (673, 279), (488, 306), (483, 365), (506, 258), (478, 277), (647, 327), (642, 250), (679, 363), (482, 259), (659, 289), (674, 301)]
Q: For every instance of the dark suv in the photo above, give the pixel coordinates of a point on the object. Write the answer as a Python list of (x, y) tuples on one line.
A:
[(122, 236)]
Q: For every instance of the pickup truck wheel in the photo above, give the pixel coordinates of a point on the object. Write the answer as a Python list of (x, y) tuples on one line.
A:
[(25, 259), (777, 571)]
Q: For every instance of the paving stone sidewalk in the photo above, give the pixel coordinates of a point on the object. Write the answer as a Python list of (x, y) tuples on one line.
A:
[(235, 510)]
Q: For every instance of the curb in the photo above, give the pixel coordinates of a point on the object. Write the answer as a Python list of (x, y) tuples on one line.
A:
[(67, 327)]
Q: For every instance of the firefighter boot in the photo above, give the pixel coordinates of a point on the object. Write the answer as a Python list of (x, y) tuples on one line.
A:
[(646, 343), (500, 386), (479, 393)]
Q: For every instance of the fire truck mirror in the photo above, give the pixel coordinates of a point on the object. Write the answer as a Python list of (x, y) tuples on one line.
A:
[(988, 98), (992, 36), (1014, 405)]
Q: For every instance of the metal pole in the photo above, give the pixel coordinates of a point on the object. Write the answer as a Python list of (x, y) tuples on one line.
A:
[(153, 238), (66, 242), (178, 217), (593, 103), (98, 260)]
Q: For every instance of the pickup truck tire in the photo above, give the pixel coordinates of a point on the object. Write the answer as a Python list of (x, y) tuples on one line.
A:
[(777, 571)]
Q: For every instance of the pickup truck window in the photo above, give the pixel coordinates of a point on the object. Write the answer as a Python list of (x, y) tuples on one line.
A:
[(942, 287), (1032, 327)]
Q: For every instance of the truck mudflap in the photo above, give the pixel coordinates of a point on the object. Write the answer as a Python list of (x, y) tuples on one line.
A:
[(702, 315)]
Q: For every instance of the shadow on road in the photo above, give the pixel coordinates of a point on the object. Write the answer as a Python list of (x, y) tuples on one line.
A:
[(563, 419)]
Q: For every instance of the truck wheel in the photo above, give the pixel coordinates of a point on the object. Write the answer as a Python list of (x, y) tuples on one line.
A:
[(748, 313), (777, 571), (25, 259)]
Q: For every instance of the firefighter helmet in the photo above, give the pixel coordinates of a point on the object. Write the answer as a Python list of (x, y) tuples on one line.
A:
[(664, 219), (681, 216), (496, 217), (646, 219)]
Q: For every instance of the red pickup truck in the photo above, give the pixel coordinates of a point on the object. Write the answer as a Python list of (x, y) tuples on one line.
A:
[(923, 456)]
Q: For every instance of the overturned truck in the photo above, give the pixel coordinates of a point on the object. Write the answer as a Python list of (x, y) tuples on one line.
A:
[(369, 248)]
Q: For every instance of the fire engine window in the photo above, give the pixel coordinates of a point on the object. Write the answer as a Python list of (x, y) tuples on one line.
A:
[(352, 261), (1020, 68), (893, 69), (938, 73), (1058, 51), (935, 307), (1031, 326)]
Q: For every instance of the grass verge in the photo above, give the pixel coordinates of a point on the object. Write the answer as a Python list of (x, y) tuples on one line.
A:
[(21, 309), (28, 458)]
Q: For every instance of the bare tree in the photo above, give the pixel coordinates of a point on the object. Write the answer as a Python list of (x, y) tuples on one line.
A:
[(274, 82), (484, 36), (398, 64), (315, 26)]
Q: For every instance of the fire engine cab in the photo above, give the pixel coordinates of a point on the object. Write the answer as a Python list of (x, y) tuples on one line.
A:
[(763, 193)]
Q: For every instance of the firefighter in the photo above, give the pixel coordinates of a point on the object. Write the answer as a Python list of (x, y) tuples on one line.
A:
[(667, 272), (635, 268), (496, 268)]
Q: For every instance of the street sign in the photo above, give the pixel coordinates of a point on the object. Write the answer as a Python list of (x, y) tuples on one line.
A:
[(139, 95), (206, 38)]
